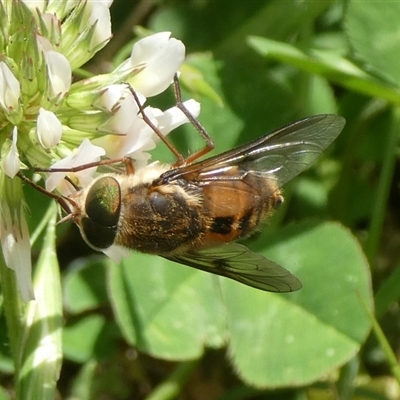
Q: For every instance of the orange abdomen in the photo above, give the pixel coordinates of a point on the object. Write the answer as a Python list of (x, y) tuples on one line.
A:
[(236, 208)]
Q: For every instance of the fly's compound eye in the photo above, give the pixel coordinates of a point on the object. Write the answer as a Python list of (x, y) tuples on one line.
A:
[(102, 206)]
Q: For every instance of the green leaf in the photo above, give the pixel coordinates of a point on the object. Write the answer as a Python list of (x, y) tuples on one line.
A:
[(274, 20), (388, 293), (171, 387), (320, 97), (172, 311), (91, 337), (328, 64), (221, 122), (227, 27), (194, 80), (84, 285), (321, 326), (82, 387), (40, 345), (256, 103), (373, 30), (166, 309), (6, 361), (4, 395)]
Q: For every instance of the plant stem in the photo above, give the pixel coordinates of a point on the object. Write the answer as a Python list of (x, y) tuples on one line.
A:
[(173, 385), (13, 309), (379, 210)]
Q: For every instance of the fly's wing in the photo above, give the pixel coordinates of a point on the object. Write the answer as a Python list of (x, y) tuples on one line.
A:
[(280, 155), (237, 262)]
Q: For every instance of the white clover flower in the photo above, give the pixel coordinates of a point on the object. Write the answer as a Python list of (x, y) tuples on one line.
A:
[(10, 163), (14, 234), (86, 153), (17, 249), (136, 137), (48, 129), (122, 107), (59, 73), (99, 16), (10, 89), (156, 58), (173, 117), (85, 35), (35, 4)]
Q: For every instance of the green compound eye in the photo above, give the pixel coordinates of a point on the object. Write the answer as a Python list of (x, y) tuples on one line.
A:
[(103, 206), (103, 201)]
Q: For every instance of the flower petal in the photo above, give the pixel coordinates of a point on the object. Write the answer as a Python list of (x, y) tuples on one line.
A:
[(86, 153), (17, 255), (161, 57), (14, 234), (35, 4), (59, 71), (48, 129), (10, 89), (138, 136), (174, 117), (10, 163), (99, 15), (118, 101)]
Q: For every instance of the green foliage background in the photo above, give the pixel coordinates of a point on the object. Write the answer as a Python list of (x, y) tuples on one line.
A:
[(151, 329)]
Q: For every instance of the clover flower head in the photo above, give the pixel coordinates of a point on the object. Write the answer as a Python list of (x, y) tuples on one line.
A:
[(48, 121)]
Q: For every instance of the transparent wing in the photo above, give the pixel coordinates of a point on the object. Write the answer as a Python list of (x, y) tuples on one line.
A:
[(237, 262), (280, 155)]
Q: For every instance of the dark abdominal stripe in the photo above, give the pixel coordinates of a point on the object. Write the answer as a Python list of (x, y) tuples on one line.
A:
[(222, 225)]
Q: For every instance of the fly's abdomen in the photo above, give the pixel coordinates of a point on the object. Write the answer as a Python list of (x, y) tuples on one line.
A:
[(235, 208)]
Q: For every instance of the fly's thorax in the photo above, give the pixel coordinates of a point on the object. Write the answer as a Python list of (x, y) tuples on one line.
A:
[(160, 219), (237, 208)]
